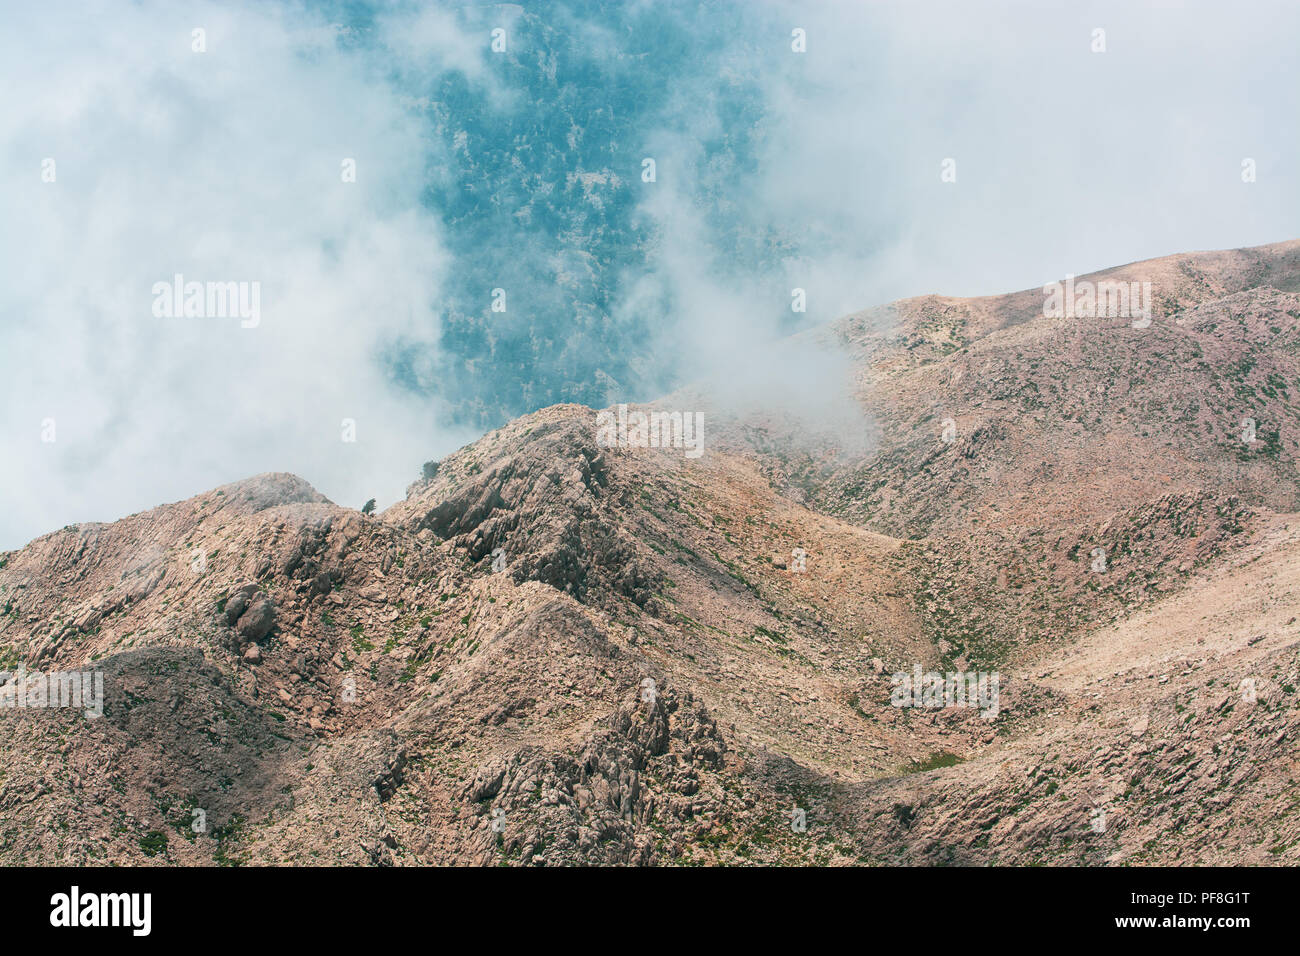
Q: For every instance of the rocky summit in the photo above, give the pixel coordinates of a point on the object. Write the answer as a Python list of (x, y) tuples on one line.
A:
[(1043, 608)]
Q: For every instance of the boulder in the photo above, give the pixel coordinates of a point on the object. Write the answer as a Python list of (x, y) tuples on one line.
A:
[(256, 622), (237, 603)]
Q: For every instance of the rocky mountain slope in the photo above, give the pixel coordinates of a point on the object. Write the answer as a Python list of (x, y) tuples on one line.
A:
[(554, 652)]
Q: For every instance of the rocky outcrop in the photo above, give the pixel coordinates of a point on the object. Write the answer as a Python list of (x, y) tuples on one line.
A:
[(553, 653), (534, 504), (609, 802)]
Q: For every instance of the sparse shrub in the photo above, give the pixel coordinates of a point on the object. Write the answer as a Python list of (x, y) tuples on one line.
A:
[(153, 843)]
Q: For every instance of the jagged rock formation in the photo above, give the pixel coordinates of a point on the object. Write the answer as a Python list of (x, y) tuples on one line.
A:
[(553, 652)]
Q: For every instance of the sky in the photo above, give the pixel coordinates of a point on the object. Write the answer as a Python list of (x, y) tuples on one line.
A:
[(378, 171)]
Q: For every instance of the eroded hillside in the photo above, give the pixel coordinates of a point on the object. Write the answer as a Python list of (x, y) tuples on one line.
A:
[(556, 652)]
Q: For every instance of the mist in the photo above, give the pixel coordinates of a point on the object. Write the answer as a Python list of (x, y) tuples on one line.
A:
[(777, 170)]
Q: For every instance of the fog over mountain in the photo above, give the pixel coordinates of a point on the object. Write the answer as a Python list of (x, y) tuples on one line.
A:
[(649, 434), (522, 171)]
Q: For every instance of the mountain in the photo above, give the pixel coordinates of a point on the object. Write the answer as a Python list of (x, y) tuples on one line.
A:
[(554, 651)]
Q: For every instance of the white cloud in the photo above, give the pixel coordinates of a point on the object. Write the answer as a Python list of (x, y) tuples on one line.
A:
[(223, 165), (1067, 160)]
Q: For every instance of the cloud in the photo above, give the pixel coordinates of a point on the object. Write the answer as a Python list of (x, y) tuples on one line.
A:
[(776, 171), (224, 165), (1066, 160)]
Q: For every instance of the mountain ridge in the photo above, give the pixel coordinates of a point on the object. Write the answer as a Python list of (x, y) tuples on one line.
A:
[(462, 678)]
